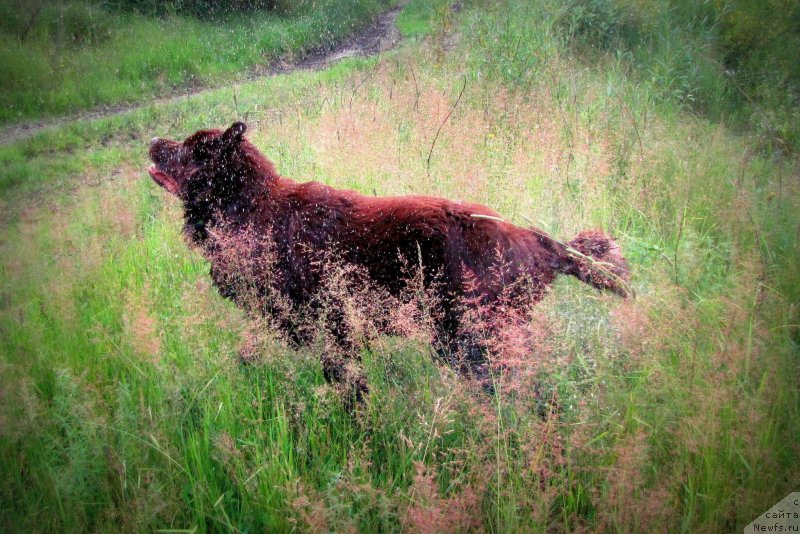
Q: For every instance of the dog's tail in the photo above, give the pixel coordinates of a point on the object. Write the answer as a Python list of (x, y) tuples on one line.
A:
[(596, 259)]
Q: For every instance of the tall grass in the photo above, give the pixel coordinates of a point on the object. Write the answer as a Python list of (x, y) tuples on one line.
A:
[(731, 61), (69, 57), (123, 404)]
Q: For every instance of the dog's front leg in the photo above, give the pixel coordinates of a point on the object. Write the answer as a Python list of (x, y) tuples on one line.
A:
[(341, 360)]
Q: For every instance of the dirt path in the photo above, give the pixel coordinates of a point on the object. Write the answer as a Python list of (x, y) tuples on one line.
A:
[(381, 35)]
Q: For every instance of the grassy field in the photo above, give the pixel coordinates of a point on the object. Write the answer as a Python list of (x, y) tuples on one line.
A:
[(123, 405), (62, 57)]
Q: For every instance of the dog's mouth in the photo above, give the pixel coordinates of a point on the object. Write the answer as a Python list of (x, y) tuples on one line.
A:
[(164, 179), (161, 153)]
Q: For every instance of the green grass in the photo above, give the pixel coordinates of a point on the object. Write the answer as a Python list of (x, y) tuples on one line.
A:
[(420, 17), (123, 405), (79, 56)]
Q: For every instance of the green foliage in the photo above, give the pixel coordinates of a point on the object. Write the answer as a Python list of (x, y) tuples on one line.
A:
[(59, 58), (63, 24), (601, 24), (515, 43), (213, 8), (731, 59), (77, 23), (419, 16), (759, 40)]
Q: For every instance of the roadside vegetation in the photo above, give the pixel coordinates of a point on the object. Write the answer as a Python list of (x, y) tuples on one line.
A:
[(59, 58), (123, 402)]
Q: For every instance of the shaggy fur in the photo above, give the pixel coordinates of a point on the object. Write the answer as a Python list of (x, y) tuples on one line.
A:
[(225, 182)]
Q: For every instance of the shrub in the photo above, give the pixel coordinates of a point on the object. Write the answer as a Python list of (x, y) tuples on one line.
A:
[(734, 59), (76, 23), (71, 22), (596, 24), (207, 8)]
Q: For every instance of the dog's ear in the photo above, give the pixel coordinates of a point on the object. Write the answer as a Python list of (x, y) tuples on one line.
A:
[(233, 136)]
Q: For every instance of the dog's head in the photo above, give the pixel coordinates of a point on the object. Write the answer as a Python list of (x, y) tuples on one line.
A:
[(218, 174), (209, 156)]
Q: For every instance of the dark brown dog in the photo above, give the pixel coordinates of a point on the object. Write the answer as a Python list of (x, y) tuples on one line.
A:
[(228, 187)]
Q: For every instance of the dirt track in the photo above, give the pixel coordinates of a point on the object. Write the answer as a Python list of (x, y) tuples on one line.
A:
[(379, 36)]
